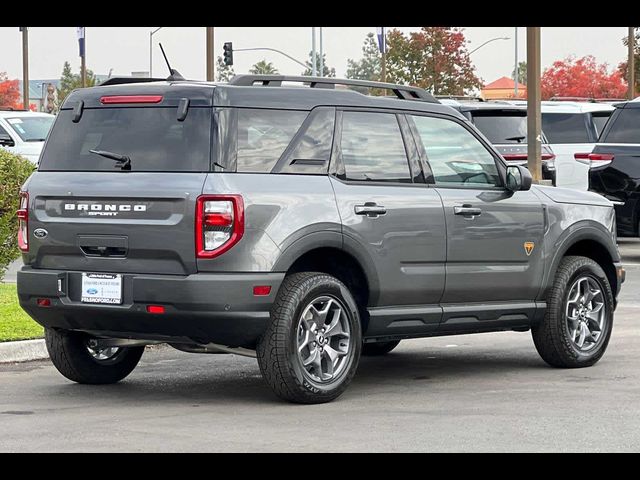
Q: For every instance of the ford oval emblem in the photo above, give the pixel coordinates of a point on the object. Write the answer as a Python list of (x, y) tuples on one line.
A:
[(40, 233)]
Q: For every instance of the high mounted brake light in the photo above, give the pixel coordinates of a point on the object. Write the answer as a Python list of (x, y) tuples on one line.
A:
[(219, 224), (23, 222), (113, 99)]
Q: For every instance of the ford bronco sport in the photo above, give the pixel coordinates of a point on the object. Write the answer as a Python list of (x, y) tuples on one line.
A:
[(302, 226)]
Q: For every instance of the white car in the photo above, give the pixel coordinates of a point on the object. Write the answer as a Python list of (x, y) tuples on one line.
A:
[(570, 128), (24, 132)]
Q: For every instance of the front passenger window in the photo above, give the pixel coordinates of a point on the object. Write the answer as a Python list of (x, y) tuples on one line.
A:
[(454, 154)]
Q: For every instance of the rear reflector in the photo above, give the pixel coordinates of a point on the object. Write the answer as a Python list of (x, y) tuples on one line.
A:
[(43, 302), (155, 309), (110, 100), (261, 290)]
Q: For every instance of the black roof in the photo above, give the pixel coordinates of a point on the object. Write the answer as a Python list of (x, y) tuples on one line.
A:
[(208, 94)]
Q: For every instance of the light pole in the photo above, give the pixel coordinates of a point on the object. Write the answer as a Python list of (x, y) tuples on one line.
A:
[(488, 41), (516, 71), (320, 74), (151, 50), (313, 52)]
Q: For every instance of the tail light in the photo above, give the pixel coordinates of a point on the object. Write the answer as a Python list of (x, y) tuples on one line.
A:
[(594, 159), (23, 222), (523, 157), (219, 224)]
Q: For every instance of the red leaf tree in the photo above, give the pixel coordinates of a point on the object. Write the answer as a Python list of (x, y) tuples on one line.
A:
[(582, 77), (9, 92)]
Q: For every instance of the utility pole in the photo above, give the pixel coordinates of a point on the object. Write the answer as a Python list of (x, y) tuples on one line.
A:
[(25, 67), (313, 52), (631, 67), (534, 118), (516, 70), (210, 61), (321, 73)]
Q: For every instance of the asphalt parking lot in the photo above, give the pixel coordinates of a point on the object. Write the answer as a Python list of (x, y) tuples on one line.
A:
[(487, 392)]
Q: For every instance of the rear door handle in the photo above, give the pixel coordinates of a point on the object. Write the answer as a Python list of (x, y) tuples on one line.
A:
[(370, 209), (467, 211)]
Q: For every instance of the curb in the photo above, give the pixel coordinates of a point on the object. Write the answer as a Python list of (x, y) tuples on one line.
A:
[(23, 351)]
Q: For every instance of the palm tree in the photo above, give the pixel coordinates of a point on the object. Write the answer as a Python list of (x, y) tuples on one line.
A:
[(263, 68)]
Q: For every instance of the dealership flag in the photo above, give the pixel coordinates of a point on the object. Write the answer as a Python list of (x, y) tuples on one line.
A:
[(80, 31), (382, 42)]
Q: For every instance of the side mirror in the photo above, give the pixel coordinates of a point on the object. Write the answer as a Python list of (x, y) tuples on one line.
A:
[(6, 140), (518, 178)]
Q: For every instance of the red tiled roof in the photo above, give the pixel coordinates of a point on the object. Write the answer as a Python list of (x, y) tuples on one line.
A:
[(502, 83)]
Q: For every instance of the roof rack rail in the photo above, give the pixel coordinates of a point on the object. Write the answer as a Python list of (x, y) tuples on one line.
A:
[(123, 80), (404, 92), (470, 98)]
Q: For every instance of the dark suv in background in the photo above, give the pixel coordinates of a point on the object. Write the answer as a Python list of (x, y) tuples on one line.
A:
[(301, 226), (505, 126), (615, 166)]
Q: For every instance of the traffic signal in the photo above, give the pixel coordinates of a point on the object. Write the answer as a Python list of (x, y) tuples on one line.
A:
[(228, 53)]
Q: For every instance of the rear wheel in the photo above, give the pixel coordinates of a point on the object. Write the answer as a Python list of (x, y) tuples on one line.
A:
[(378, 348), (76, 357), (577, 325), (311, 349)]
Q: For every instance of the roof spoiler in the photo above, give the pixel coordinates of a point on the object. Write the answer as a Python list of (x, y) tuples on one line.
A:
[(403, 92), (123, 80)]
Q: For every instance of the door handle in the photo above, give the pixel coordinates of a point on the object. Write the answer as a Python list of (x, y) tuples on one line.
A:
[(370, 209), (467, 211)]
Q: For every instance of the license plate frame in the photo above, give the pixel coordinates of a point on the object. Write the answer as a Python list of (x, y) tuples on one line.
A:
[(101, 288)]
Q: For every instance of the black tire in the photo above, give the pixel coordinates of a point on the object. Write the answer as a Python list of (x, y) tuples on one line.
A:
[(277, 349), (70, 355), (551, 337), (378, 348)]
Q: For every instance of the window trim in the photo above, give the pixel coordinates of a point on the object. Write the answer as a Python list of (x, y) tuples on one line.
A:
[(337, 168), (497, 158)]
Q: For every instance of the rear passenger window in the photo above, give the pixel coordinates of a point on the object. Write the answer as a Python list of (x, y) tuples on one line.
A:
[(625, 127), (263, 135), (372, 148), (565, 127), (454, 154)]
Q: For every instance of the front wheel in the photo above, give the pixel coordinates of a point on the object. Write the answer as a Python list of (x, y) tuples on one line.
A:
[(75, 357), (577, 325), (310, 351)]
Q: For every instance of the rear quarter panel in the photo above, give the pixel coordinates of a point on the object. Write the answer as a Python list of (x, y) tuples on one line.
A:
[(281, 211)]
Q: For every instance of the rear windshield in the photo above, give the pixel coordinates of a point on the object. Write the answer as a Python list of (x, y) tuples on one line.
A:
[(31, 129), (502, 127), (565, 127), (152, 138), (625, 127)]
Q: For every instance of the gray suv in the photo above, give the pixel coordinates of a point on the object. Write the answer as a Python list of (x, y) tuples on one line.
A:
[(301, 226)]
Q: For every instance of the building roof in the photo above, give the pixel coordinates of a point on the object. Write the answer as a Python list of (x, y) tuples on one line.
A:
[(503, 83)]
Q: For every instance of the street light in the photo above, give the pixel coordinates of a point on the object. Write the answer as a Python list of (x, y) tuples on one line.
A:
[(488, 41), (151, 50)]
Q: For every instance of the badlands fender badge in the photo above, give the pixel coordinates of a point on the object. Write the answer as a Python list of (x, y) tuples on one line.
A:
[(528, 247)]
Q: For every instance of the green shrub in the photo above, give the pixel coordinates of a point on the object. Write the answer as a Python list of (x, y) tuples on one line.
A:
[(14, 171)]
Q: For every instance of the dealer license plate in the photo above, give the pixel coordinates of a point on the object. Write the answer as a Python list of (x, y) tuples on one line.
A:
[(102, 288)]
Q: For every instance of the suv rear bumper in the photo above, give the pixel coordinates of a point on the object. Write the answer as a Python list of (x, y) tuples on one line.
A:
[(203, 307)]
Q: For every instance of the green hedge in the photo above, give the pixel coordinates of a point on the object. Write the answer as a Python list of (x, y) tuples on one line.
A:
[(14, 171)]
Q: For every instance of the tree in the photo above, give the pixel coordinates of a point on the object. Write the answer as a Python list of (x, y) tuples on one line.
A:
[(622, 68), (326, 71), (369, 67), (263, 68), (224, 72), (435, 58), (581, 77), (9, 92), (70, 81), (522, 73)]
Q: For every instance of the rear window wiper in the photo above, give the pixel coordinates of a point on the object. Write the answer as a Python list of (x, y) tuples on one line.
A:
[(123, 161), (36, 140), (517, 139)]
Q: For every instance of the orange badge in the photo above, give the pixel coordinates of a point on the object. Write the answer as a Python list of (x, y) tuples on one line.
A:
[(528, 247)]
